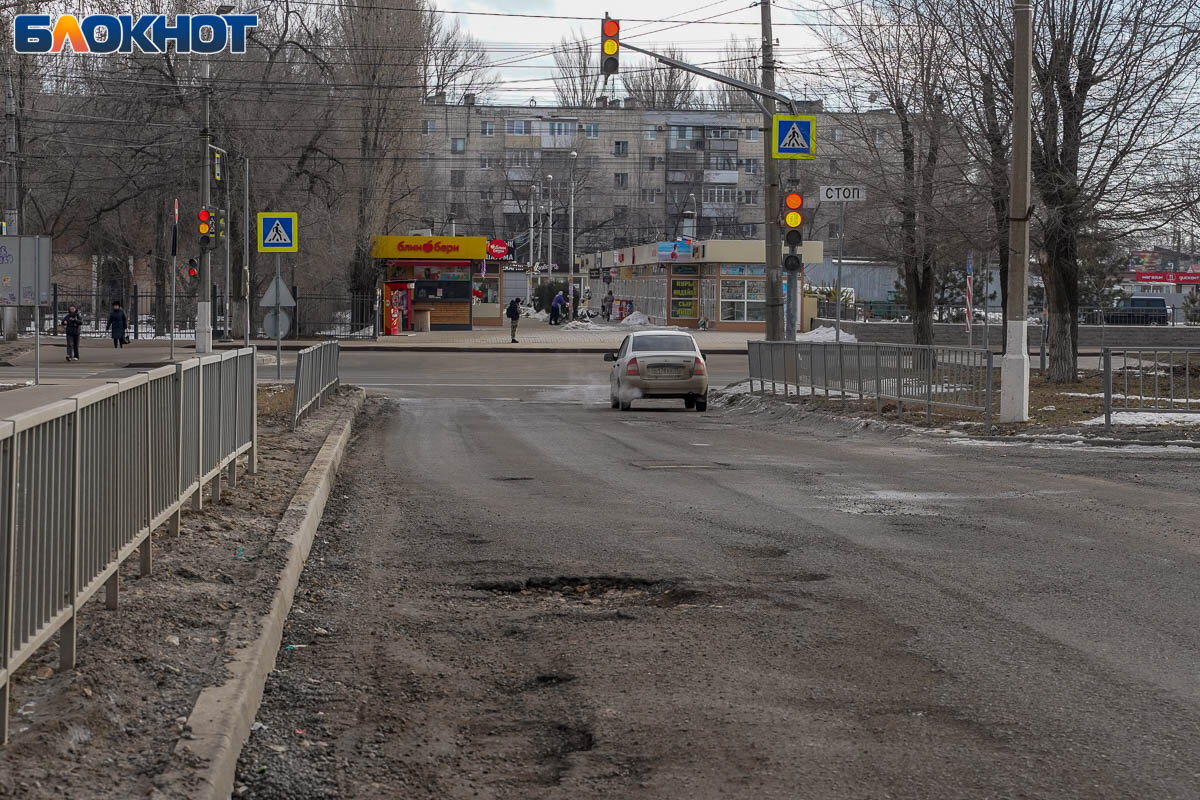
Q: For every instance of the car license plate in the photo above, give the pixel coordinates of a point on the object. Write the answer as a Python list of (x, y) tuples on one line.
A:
[(666, 372)]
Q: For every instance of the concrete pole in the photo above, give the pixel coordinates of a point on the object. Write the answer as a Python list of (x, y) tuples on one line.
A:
[(550, 227), (774, 253), (837, 323), (532, 191), (12, 213), (1014, 366), (227, 336), (246, 249), (203, 295)]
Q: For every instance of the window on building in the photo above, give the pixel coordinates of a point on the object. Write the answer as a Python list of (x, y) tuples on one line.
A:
[(518, 127), (646, 196), (520, 158), (651, 133), (743, 300), (649, 163), (681, 132), (877, 136), (620, 148), (752, 134), (726, 162), (456, 210), (748, 197), (720, 194), (458, 145), (834, 167), (753, 166), (458, 178), (838, 134), (621, 180), (561, 128), (487, 128), (591, 130), (429, 126), (488, 161), (833, 230), (487, 195)]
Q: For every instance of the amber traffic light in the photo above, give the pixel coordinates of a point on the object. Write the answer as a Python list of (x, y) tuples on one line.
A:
[(793, 218), (610, 46)]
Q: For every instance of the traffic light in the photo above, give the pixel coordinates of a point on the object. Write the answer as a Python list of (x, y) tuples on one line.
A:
[(610, 46), (793, 237), (205, 226), (193, 268), (218, 215)]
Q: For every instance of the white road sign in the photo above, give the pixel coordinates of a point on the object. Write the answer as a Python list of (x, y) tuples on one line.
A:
[(843, 194), (277, 295)]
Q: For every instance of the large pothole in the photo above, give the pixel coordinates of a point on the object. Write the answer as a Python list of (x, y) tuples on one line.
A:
[(593, 589)]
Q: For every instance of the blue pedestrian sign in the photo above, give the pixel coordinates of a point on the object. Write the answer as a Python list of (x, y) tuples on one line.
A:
[(278, 232), (794, 137)]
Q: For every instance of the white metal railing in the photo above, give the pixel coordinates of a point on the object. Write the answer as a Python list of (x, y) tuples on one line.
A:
[(84, 481), (949, 377), (316, 377), (1154, 379)]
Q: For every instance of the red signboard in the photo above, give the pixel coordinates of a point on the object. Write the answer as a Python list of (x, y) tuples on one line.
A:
[(497, 248), (1155, 277), (1187, 277)]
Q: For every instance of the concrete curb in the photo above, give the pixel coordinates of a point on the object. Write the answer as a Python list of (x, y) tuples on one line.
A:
[(221, 719)]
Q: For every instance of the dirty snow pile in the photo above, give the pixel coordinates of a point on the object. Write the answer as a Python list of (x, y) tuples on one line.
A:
[(538, 316), (636, 318), (825, 334), (1147, 418), (583, 325)]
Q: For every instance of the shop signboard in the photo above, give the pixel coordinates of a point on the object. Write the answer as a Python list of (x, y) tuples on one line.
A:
[(24, 270), (1154, 277), (684, 293), (498, 249), (743, 270), (686, 269), (436, 273), (472, 248), (676, 251)]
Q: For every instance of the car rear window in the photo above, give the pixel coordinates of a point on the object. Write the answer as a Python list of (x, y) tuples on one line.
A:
[(665, 342), (1149, 302)]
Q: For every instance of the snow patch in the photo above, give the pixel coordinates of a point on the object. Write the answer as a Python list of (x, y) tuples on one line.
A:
[(1148, 418), (636, 318), (825, 334)]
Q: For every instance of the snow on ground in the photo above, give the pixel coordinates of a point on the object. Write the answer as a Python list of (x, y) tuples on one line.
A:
[(825, 334), (1147, 418), (539, 316), (637, 318), (1119, 396), (586, 326)]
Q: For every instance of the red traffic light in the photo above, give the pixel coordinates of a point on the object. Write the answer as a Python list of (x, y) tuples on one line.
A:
[(205, 215), (611, 27), (191, 272), (794, 200)]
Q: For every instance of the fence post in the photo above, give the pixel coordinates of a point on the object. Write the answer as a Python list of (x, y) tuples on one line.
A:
[(67, 637), (878, 384), (929, 386), (987, 414), (54, 308), (220, 437), (231, 473), (198, 498), (134, 304), (6, 602), (254, 411), (145, 549), (1108, 392), (176, 518)]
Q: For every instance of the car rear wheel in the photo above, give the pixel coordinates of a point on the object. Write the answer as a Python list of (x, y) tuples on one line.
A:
[(702, 403), (616, 403), (689, 403)]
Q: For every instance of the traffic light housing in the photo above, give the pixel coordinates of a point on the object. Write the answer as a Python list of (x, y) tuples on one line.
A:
[(793, 237), (204, 226), (610, 46), (193, 268), (219, 222)]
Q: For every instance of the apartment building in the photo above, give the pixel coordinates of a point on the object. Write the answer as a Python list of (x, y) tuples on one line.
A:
[(637, 175)]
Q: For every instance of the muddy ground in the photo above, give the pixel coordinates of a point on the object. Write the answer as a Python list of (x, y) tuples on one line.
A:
[(108, 728)]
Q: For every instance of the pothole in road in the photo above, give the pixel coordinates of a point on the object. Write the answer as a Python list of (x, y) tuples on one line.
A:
[(614, 589)]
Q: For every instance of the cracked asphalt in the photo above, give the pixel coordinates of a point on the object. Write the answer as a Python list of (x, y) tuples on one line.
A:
[(520, 593)]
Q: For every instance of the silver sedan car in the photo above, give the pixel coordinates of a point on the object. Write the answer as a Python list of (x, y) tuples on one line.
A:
[(658, 364)]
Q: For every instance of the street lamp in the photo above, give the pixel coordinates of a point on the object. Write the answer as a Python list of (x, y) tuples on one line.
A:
[(571, 237), (550, 224)]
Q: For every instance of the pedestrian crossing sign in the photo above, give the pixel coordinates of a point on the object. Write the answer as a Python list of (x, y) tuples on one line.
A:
[(278, 232), (794, 137)]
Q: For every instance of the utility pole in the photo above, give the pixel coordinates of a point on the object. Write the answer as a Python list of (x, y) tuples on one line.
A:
[(532, 191), (550, 228), (12, 214), (1014, 366), (203, 293), (773, 255), (246, 250), (227, 335)]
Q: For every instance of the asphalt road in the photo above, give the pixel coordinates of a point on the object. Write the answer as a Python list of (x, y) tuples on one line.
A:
[(520, 593)]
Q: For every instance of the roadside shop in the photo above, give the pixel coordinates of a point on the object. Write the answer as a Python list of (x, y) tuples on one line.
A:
[(438, 283)]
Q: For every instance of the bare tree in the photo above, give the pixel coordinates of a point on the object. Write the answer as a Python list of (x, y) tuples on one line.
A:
[(741, 61), (1113, 87), (661, 87), (896, 49), (453, 62), (576, 71)]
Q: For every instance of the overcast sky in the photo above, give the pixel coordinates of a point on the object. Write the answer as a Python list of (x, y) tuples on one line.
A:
[(518, 45)]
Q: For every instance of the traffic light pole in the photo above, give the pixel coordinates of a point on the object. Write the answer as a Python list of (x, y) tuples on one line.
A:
[(203, 296), (774, 251)]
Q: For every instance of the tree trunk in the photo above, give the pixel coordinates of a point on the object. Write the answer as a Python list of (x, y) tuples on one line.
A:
[(1061, 279), (160, 265)]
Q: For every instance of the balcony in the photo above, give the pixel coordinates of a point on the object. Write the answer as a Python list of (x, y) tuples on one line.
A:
[(729, 176), (723, 210)]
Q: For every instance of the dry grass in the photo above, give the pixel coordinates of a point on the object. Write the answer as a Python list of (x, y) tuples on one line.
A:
[(275, 401)]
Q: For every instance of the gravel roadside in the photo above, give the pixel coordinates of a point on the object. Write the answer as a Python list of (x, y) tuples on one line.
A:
[(108, 728)]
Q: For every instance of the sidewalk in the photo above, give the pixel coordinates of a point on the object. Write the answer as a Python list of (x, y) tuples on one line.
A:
[(533, 337)]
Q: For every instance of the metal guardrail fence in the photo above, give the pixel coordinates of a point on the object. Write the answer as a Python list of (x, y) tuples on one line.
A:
[(948, 377), (71, 511), (1159, 380), (316, 376)]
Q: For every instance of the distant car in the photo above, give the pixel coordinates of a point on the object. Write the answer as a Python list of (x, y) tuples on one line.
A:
[(658, 364), (1138, 311)]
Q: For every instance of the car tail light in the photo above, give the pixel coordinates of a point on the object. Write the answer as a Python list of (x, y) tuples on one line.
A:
[(698, 367), (632, 367)]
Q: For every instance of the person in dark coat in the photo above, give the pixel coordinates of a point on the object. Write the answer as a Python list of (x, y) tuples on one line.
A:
[(118, 323), (513, 312), (556, 308), (72, 323)]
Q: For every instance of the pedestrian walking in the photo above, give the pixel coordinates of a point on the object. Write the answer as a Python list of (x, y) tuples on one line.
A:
[(118, 323), (608, 304), (556, 308), (72, 323), (514, 316)]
